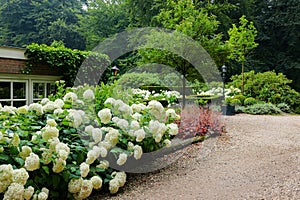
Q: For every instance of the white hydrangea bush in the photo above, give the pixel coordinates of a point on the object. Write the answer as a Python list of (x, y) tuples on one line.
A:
[(63, 146)]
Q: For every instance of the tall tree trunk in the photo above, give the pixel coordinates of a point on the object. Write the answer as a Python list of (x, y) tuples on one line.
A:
[(243, 78)]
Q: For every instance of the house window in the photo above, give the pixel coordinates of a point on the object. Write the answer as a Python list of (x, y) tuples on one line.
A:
[(42, 90), (20, 90), (13, 93)]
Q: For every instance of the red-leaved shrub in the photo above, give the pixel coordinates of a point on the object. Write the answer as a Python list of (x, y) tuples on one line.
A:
[(199, 121)]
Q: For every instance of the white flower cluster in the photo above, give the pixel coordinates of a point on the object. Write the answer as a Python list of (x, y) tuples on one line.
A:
[(157, 110), (13, 182), (105, 115), (228, 92), (89, 95), (119, 180), (172, 114), (8, 109), (23, 109), (37, 108), (50, 131), (76, 117), (141, 93), (70, 97), (82, 189)]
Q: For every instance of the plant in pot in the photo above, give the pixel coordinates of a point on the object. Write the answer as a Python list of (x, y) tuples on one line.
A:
[(229, 107)]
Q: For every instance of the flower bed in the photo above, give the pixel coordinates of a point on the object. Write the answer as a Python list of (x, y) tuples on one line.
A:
[(59, 149)]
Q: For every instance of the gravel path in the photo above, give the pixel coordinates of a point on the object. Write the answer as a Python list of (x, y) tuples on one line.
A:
[(258, 158)]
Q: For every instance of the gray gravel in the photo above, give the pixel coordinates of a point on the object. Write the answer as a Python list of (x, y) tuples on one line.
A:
[(258, 158)]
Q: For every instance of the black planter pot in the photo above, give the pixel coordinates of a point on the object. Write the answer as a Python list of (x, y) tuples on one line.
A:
[(228, 110)]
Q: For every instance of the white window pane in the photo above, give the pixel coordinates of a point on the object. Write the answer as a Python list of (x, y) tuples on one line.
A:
[(19, 90), (4, 90), (38, 90)]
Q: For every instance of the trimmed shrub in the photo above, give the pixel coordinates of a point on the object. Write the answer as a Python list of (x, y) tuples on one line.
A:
[(250, 101), (284, 107), (235, 102), (261, 109), (241, 98), (268, 87)]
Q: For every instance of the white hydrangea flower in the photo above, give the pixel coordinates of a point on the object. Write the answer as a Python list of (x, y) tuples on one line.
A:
[(130, 146), (49, 107), (49, 132), (155, 127), (140, 135), (79, 102), (15, 140), (110, 101), (122, 159), (105, 115), (20, 176), (42, 196), (89, 95), (172, 114), (118, 103), (53, 142), (46, 156), (88, 129), (134, 125), (105, 144), (38, 108), (157, 137), (138, 152), (120, 177), (104, 164), (115, 119), (23, 110), (85, 190), (84, 169), (123, 124), (26, 150), (58, 111), (44, 101), (157, 110), (97, 134), (14, 191), (1, 149), (92, 155), (28, 192), (112, 137), (97, 182), (74, 185), (70, 97), (125, 109), (113, 186), (137, 116), (76, 118), (32, 162), (138, 107), (8, 109), (58, 103), (62, 149), (173, 129), (45, 190), (51, 122), (6, 176), (167, 142), (59, 165)]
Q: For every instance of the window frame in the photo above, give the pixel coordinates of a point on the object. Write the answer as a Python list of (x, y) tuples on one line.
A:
[(29, 80)]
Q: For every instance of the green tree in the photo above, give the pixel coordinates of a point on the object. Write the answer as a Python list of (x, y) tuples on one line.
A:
[(24, 22), (102, 20), (241, 42)]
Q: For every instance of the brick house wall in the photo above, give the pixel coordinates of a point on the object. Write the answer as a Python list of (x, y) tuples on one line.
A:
[(34, 86), (15, 66)]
